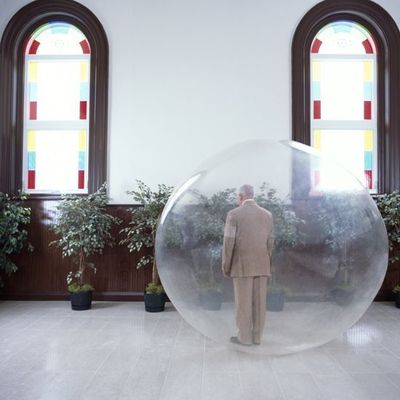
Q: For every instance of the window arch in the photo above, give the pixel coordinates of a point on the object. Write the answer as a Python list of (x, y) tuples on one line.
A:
[(41, 39), (364, 32)]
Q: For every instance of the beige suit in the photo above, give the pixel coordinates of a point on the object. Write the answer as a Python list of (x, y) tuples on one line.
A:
[(247, 249)]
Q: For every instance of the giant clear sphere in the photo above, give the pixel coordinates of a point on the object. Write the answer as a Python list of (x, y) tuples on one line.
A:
[(329, 254)]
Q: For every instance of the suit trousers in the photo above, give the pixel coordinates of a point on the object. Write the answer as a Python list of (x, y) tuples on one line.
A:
[(250, 301)]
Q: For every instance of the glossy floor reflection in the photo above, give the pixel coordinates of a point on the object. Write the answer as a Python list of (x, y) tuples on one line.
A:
[(116, 351)]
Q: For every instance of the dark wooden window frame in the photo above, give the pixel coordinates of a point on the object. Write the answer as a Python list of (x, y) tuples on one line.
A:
[(12, 61), (387, 38)]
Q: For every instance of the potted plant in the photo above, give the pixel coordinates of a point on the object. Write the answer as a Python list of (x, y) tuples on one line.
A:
[(140, 235), (84, 229), (286, 235), (396, 293), (389, 207), (341, 229), (13, 236), (207, 221), (275, 297)]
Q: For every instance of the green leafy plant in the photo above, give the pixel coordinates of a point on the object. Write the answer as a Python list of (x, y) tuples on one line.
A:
[(276, 289), (286, 223), (206, 220), (151, 288), (389, 207), (341, 223), (13, 235), (75, 287), (84, 228), (286, 228), (141, 232)]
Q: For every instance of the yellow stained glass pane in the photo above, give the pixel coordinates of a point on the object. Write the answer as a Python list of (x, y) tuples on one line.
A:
[(317, 139), (84, 71), (32, 71), (316, 71), (82, 140), (31, 140), (367, 70), (368, 140)]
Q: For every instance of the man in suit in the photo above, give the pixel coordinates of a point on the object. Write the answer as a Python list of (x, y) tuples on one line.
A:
[(247, 250)]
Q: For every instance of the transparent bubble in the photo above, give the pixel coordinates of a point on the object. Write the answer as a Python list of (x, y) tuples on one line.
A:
[(330, 246)]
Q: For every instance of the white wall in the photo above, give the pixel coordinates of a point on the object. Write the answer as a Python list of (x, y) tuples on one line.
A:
[(190, 77)]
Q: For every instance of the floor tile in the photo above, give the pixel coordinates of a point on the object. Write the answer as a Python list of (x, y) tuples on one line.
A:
[(118, 351)]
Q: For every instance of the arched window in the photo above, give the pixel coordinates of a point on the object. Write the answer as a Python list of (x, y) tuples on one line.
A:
[(345, 88), (53, 100), (57, 65), (343, 98)]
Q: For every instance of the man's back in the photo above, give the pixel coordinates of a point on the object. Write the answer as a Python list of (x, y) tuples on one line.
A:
[(248, 241)]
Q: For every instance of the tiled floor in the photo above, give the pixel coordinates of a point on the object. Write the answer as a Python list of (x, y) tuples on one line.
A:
[(116, 351)]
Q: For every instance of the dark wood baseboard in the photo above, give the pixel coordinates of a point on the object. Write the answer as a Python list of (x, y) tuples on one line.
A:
[(97, 296), (116, 296)]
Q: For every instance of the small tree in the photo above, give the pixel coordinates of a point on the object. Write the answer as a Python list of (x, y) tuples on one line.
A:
[(84, 228), (206, 222), (13, 235), (389, 207), (141, 232), (286, 226)]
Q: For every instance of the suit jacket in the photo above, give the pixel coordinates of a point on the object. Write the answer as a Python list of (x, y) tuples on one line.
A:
[(248, 241)]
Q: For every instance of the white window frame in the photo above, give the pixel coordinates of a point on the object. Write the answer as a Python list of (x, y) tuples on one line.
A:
[(371, 124), (52, 125)]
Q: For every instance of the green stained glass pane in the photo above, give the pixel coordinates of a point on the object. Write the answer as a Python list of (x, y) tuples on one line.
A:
[(344, 37), (57, 38)]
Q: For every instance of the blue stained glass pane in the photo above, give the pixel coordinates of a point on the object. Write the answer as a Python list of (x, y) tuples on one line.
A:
[(367, 90), (342, 27), (368, 160), (32, 91), (316, 91), (82, 160), (58, 27), (84, 91), (31, 160)]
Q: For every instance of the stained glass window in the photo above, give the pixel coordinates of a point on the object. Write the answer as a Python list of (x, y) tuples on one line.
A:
[(343, 99), (57, 64)]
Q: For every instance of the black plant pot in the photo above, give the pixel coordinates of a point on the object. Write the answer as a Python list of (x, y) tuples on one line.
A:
[(397, 299), (154, 302), (211, 300), (275, 301), (81, 301), (342, 297)]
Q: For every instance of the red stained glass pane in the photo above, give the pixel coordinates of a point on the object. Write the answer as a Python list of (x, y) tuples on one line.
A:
[(315, 46), (85, 46), (33, 47), (82, 109), (317, 109), (367, 46), (368, 179), (31, 179), (81, 179), (367, 110), (32, 110)]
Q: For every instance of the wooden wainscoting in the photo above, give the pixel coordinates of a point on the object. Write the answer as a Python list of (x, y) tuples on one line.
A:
[(41, 274)]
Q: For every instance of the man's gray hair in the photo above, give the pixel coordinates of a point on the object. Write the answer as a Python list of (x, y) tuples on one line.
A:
[(247, 191)]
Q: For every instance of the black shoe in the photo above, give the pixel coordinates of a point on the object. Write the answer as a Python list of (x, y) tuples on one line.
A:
[(235, 340)]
